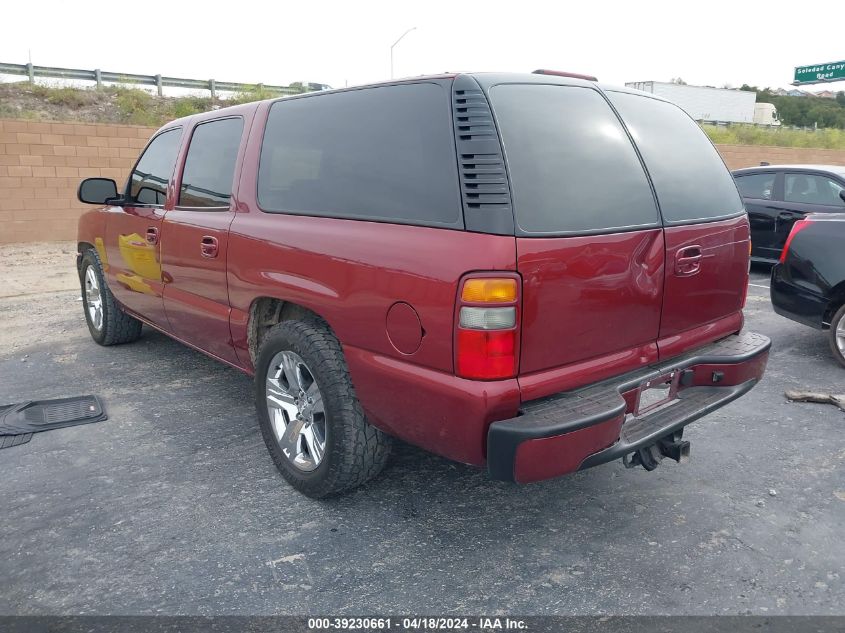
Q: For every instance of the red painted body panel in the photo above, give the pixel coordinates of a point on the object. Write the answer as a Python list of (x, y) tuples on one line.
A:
[(431, 409), (196, 298), (554, 456), (351, 273), (134, 270), (591, 307), (550, 381), (714, 293)]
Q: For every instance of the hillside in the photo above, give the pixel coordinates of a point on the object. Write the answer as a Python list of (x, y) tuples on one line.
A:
[(112, 104)]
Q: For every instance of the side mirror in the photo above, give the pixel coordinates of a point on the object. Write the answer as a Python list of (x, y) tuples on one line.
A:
[(97, 190), (842, 194)]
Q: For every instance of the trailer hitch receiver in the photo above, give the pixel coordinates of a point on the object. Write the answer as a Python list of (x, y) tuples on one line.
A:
[(649, 457)]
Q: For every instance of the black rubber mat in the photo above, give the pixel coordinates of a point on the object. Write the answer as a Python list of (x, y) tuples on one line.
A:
[(7, 441), (19, 421)]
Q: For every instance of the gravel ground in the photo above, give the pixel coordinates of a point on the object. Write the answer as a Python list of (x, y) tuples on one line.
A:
[(172, 505)]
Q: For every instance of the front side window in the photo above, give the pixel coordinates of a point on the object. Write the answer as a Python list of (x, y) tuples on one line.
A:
[(210, 164), (810, 189), (148, 182), (690, 179), (572, 166), (383, 153), (757, 186)]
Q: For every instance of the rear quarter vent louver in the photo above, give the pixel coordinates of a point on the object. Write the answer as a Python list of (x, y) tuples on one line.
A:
[(485, 191)]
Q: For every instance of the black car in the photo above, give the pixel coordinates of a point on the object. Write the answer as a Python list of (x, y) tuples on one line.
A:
[(778, 195), (808, 285)]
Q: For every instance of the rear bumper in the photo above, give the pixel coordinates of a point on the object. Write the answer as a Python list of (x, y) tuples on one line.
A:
[(795, 302), (578, 429)]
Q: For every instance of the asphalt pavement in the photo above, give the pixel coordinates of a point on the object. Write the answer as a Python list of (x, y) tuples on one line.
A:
[(173, 506)]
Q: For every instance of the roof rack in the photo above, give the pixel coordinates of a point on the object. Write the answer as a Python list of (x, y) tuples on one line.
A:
[(562, 73)]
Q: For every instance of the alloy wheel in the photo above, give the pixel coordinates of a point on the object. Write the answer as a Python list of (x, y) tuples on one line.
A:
[(93, 299), (296, 410)]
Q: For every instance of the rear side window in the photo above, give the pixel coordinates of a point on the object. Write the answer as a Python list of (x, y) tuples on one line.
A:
[(758, 186), (572, 166), (383, 153), (148, 182), (812, 190), (210, 164), (691, 181)]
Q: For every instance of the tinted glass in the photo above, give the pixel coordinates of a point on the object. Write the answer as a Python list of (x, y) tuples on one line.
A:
[(691, 181), (148, 183), (759, 186), (572, 167), (812, 190), (382, 153), (210, 164)]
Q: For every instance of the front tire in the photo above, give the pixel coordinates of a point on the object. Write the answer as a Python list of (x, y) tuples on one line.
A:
[(310, 417), (107, 323), (836, 335)]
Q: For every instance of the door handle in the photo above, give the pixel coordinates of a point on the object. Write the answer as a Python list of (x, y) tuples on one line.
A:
[(152, 236), (209, 246), (688, 261)]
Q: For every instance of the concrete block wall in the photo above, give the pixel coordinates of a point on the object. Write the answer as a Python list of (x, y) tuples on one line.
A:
[(738, 156), (41, 164)]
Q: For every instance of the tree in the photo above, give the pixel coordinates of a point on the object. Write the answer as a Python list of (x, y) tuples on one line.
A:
[(840, 98), (679, 81)]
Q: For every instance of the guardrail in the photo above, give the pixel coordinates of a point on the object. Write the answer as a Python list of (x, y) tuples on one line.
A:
[(99, 76)]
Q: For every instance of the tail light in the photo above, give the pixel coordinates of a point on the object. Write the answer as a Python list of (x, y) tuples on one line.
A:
[(799, 226), (487, 327)]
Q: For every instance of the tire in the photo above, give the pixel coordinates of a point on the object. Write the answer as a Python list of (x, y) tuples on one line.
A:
[(353, 451), (837, 333), (113, 326)]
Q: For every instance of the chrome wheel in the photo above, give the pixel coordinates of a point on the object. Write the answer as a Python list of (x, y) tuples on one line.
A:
[(93, 298), (296, 410), (840, 336)]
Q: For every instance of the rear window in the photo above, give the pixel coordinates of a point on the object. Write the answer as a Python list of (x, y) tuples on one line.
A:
[(572, 166), (690, 179), (383, 153), (758, 186)]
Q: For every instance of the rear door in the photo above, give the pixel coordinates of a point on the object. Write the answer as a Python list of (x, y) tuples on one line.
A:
[(803, 193), (196, 296), (133, 231), (589, 239), (762, 194), (706, 229)]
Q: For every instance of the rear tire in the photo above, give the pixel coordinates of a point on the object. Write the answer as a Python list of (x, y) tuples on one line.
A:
[(349, 451), (107, 322), (836, 335)]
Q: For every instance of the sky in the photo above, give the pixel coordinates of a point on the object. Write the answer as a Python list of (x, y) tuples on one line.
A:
[(348, 43)]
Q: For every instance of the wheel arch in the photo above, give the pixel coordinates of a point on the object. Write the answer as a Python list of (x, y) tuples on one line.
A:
[(836, 301), (267, 311)]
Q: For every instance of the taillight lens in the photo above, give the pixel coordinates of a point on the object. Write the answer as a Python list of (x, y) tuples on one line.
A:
[(799, 226), (486, 354), (489, 290), (487, 337)]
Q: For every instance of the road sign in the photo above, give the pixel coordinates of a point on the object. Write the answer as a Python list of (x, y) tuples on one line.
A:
[(820, 73)]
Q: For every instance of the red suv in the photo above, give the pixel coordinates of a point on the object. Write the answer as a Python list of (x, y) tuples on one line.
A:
[(531, 272)]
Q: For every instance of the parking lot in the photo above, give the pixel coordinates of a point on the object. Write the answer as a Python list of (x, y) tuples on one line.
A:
[(173, 506)]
